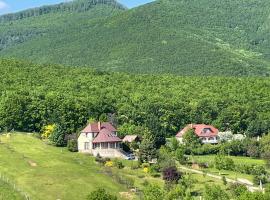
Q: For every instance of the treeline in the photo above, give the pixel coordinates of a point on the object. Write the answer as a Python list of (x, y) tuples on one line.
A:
[(73, 6), (36, 95)]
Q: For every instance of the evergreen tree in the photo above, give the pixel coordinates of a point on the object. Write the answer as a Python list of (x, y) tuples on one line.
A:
[(58, 137)]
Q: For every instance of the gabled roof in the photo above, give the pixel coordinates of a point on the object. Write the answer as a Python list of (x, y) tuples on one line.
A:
[(97, 126), (106, 135), (130, 138), (202, 130)]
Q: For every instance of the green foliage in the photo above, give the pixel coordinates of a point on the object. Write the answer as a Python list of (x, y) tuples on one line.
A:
[(214, 192), (58, 136), (180, 155), (153, 192), (101, 194), (7, 192), (191, 140), (34, 95), (265, 148), (72, 145), (168, 36), (147, 149), (223, 162), (119, 164), (224, 180)]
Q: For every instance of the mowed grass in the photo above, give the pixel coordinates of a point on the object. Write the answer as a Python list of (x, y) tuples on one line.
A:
[(238, 160), (8, 193), (45, 172)]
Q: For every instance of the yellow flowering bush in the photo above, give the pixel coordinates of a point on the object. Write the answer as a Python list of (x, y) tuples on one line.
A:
[(47, 131), (145, 169), (109, 164)]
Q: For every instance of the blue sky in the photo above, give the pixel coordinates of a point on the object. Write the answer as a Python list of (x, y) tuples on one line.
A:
[(7, 6)]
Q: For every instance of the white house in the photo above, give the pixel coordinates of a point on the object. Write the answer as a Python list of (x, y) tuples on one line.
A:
[(100, 138)]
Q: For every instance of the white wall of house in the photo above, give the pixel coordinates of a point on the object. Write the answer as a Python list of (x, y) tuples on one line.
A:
[(85, 144), (205, 140)]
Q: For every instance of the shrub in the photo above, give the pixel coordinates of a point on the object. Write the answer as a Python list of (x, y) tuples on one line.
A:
[(154, 168), (171, 175), (215, 193), (72, 145), (101, 194), (119, 164), (99, 159), (153, 192), (237, 189), (47, 131), (223, 162), (109, 163)]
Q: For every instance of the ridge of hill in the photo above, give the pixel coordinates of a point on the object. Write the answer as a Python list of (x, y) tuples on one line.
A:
[(72, 6), (209, 38)]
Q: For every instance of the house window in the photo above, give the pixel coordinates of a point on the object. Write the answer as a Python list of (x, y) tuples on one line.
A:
[(86, 146)]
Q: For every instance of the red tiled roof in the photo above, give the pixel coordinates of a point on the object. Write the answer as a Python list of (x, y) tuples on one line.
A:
[(106, 135), (201, 130), (97, 126)]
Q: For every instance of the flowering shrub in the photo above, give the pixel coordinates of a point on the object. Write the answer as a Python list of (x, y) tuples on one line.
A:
[(145, 169), (47, 131), (109, 163)]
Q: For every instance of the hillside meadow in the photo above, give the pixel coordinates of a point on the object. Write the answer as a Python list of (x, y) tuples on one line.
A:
[(45, 172)]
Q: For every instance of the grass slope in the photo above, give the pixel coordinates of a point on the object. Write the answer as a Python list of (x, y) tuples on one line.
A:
[(58, 174), (169, 36), (8, 193)]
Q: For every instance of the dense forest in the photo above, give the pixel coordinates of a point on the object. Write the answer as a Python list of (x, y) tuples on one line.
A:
[(229, 38), (36, 95), (73, 6)]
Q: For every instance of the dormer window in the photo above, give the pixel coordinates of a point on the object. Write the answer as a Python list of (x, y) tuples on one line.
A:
[(207, 130)]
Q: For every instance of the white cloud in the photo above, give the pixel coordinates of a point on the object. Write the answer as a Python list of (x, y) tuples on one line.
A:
[(3, 5)]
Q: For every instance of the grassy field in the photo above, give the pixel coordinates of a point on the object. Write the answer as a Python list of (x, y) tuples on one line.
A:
[(238, 160), (48, 173), (8, 193)]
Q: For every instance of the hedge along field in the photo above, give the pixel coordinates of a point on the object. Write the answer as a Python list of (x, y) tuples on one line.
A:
[(45, 172), (36, 95)]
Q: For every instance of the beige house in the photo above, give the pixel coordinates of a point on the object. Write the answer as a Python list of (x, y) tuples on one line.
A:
[(100, 139)]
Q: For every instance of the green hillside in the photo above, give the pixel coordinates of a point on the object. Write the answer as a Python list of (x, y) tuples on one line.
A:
[(45, 172), (7, 192), (183, 37)]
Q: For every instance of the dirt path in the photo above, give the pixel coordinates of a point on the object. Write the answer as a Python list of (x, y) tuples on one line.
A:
[(249, 186)]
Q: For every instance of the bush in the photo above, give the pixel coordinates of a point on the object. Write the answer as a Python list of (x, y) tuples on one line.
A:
[(171, 175), (237, 189), (119, 164), (72, 145), (223, 162), (214, 192), (101, 194)]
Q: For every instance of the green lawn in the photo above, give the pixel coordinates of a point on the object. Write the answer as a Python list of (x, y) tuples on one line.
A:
[(8, 193), (47, 173), (238, 160)]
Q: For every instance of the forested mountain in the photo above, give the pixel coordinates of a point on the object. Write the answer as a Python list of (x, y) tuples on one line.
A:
[(36, 95), (184, 37)]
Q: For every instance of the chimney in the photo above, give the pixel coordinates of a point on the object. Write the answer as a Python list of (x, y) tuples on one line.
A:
[(99, 126)]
